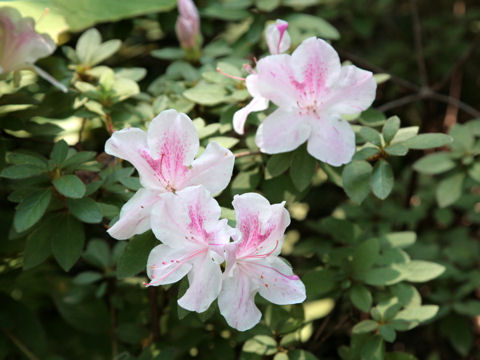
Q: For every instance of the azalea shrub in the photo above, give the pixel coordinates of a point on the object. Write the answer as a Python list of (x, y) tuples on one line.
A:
[(239, 179)]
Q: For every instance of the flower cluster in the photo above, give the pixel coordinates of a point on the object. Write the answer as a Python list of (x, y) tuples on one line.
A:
[(21, 46), (311, 90), (176, 203)]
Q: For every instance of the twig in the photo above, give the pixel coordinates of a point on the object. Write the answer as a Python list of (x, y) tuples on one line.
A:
[(23, 348), (458, 65), (429, 94), (417, 35), (247, 153), (153, 299), (455, 91)]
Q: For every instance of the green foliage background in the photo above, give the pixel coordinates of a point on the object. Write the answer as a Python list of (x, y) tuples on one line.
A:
[(388, 245)]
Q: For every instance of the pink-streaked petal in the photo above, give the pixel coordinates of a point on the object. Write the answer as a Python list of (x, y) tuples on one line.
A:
[(166, 265), (276, 80), (134, 215), (181, 220), (131, 145), (277, 37), (261, 225), (332, 140), (212, 169), (173, 134), (237, 301), (282, 131), (353, 93), (316, 65), (240, 116), (277, 283), (205, 281)]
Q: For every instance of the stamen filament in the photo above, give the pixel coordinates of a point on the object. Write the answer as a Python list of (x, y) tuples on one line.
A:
[(230, 76)]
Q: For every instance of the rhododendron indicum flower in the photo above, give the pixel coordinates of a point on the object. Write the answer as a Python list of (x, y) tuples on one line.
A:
[(278, 39), (312, 90), (193, 238), (253, 264), (164, 159), (21, 45), (188, 23)]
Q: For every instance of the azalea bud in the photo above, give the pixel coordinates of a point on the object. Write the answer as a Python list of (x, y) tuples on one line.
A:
[(21, 46), (278, 39), (188, 23)]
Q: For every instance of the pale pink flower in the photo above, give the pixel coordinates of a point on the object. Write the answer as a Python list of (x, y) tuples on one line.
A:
[(164, 158), (253, 264), (21, 46), (188, 23), (312, 90), (193, 239), (278, 39)]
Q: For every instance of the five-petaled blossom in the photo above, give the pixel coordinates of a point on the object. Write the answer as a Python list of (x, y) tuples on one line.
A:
[(164, 158), (21, 45), (193, 239), (253, 265), (278, 41), (311, 90), (188, 23)]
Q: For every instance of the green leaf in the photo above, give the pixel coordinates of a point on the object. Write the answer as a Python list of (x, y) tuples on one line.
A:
[(463, 138), (34, 159), (396, 150), (87, 277), (206, 94), (417, 315), (77, 159), (468, 308), (401, 239), (90, 317), (31, 209), (435, 163), (397, 355), (300, 355), (374, 349), (134, 257), (260, 345), (77, 15), (97, 253), (225, 141), (22, 171), (428, 141), (168, 53), (381, 181), (365, 326), (404, 134), (356, 180), (67, 241), (371, 135), (246, 181), (387, 332), (70, 186), (381, 276), (420, 271), (392, 125), (277, 164), (37, 247), (449, 189), (372, 117), (365, 255), (406, 294), (361, 297), (86, 210), (302, 26), (319, 282), (302, 169), (59, 152)]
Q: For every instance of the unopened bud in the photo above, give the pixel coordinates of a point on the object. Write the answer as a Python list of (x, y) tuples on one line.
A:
[(188, 23), (278, 39)]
